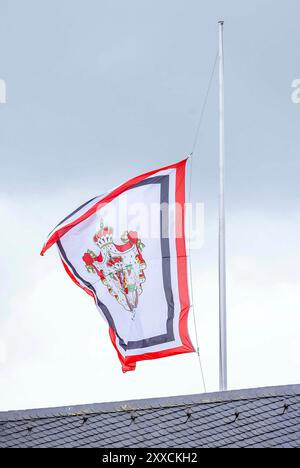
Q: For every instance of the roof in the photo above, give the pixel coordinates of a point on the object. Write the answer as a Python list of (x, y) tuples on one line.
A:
[(265, 417)]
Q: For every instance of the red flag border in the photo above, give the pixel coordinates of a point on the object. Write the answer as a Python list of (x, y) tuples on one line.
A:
[(129, 362)]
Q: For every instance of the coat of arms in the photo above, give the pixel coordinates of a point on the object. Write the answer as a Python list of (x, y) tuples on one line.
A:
[(119, 266)]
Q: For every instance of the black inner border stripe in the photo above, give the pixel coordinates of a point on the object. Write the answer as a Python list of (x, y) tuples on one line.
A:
[(73, 212)]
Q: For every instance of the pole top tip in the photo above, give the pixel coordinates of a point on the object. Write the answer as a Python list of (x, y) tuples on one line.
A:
[(221, 22)]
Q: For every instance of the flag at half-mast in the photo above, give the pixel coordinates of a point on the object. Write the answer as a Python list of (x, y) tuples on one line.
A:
[(139, 284)]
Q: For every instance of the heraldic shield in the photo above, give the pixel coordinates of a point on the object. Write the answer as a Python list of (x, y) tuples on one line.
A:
[(119, 266)]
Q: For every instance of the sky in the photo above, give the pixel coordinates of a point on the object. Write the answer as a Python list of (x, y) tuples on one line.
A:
[(100, 91)]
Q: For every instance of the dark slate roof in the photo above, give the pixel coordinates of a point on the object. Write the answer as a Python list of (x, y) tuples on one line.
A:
[(265, 417)]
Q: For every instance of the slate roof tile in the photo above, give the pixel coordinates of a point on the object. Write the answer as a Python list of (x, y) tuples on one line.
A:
[(265, 417)]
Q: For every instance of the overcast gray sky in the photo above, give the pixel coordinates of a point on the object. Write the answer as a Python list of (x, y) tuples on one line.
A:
[(99, 91)]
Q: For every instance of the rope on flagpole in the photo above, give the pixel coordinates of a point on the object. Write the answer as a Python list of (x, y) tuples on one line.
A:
[(204, 105), (192, 289), (189, 198)]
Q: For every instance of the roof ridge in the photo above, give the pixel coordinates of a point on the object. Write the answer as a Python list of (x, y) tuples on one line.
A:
[(151, 403)]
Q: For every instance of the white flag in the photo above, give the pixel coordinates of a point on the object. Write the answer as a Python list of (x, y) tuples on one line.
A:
[(127, 250)]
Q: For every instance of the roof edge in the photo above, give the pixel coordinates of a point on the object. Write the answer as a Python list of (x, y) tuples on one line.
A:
[(152, 403)]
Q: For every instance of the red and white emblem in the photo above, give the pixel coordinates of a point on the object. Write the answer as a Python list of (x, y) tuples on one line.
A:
[(119, 266)]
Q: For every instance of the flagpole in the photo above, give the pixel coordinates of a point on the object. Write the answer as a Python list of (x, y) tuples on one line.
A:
[(222, 238)]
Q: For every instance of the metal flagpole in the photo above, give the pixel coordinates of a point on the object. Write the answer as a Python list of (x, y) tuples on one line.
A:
[(222, 243)]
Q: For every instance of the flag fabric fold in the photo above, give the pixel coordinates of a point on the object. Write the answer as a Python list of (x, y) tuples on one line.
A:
[(135, 270)]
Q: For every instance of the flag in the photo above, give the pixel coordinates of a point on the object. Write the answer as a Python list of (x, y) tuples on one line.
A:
[(127, 250)]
